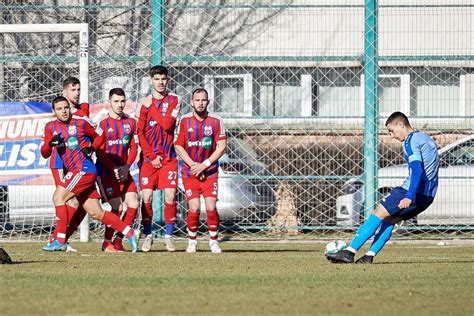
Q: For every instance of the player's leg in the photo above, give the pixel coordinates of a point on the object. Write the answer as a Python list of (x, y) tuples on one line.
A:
[(209, 190), (364, 232), (419, 204), (116, 208), (194, 204), (94, 209), (60, 196), (148, 183), (212, 224), (131, 200), (168, 181)]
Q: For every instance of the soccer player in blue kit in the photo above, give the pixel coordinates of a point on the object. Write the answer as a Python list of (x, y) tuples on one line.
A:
[(407, 201)]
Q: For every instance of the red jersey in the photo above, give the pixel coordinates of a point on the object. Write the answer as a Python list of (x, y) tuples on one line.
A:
[(199, 139), (156, 125), (78, 133), (55, 161), (120, 146)]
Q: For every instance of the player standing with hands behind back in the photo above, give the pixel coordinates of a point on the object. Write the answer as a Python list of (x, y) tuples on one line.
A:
[(201, 141)]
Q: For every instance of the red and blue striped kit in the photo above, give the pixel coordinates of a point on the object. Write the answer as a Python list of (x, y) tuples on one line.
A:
[(199, 139)]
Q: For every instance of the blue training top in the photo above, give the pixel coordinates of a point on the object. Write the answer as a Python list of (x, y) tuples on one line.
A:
[(422, 157)]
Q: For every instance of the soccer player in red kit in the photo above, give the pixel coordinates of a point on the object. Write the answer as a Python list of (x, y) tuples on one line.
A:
[(201, 140), (71, 91), (113, 164), (158, 162), (76, 139)]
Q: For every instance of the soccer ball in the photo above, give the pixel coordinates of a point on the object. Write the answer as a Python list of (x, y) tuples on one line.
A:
[(335, 246)]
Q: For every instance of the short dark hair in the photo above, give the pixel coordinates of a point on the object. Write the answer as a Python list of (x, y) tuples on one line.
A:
[(199, 90), (398, 116), (116, 91), (158, 70), (57, 100), (70, 80)]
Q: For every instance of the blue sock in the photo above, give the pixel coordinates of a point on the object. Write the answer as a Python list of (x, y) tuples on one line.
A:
[(169, 229), (147, 229), (365, 231), (383, 235)]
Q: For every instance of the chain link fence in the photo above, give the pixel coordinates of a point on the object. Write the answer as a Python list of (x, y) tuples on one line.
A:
[(289, 80)]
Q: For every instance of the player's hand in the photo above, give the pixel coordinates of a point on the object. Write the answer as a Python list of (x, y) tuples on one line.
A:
[(122, 173), (404, 203), (197, 169), (157, 162), (56, 140), (146, 101), (87, 151)]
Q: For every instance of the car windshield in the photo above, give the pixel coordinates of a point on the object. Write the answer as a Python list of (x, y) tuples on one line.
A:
[(239, 149), (460, 155)]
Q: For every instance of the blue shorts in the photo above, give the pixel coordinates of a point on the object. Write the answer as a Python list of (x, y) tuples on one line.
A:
[(418, 205)]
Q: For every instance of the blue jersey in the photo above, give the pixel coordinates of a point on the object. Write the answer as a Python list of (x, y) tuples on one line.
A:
[(421, 154)]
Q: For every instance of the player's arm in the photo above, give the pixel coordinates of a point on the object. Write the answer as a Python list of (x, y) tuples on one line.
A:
[(221, 145), (142, 118), (415, 164), (84, 107), (122, 171), (199, 168), (46, 149), (101, 154), (168, 121), (179, 142), (97, 136)]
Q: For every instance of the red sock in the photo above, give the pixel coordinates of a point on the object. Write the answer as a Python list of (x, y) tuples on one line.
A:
[(114, 221), (109, 231), (193, 224), (147, 213), (213, 223), (170, 213), (61, 223), (75, 221), (130, 215)]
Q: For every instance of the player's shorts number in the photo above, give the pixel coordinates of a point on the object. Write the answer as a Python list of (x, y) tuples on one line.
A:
[(172, 175)]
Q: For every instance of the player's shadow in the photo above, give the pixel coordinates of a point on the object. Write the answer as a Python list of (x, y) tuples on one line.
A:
[(36, 261), (269, 250), (427, 262)]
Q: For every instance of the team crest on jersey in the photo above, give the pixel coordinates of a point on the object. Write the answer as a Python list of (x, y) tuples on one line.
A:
[(207, 130), (127, 128), (72, 130), (164, 107)]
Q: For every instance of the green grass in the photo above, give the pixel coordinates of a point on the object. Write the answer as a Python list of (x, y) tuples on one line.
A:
[(249, 278)]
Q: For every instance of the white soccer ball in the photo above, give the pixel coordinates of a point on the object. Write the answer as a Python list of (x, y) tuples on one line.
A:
[(335, 246)]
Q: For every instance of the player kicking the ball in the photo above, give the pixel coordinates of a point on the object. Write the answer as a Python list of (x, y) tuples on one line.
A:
[(75, 139), (201, 141), (405, 202)]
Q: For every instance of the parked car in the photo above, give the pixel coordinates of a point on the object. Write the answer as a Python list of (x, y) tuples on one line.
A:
[(454, 202)]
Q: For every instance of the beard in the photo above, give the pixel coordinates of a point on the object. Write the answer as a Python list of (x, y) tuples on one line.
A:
[(201, 113)]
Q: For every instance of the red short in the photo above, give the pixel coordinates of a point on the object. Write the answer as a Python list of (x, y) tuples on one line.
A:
[(193, 188), (58, 176), (165, 177), (82, 184), (111, 188)]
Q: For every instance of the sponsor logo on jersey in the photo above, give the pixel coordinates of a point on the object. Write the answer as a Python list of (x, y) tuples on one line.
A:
[(205, 143), (110, 129), (72, 143), (190, 130), (125, 141), (207, 130), (72, 130)]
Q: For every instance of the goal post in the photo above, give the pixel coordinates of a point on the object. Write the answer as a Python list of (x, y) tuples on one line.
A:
[(82, 31)]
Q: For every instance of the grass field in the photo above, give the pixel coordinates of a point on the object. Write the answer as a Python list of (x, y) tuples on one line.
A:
[(249, 278)]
